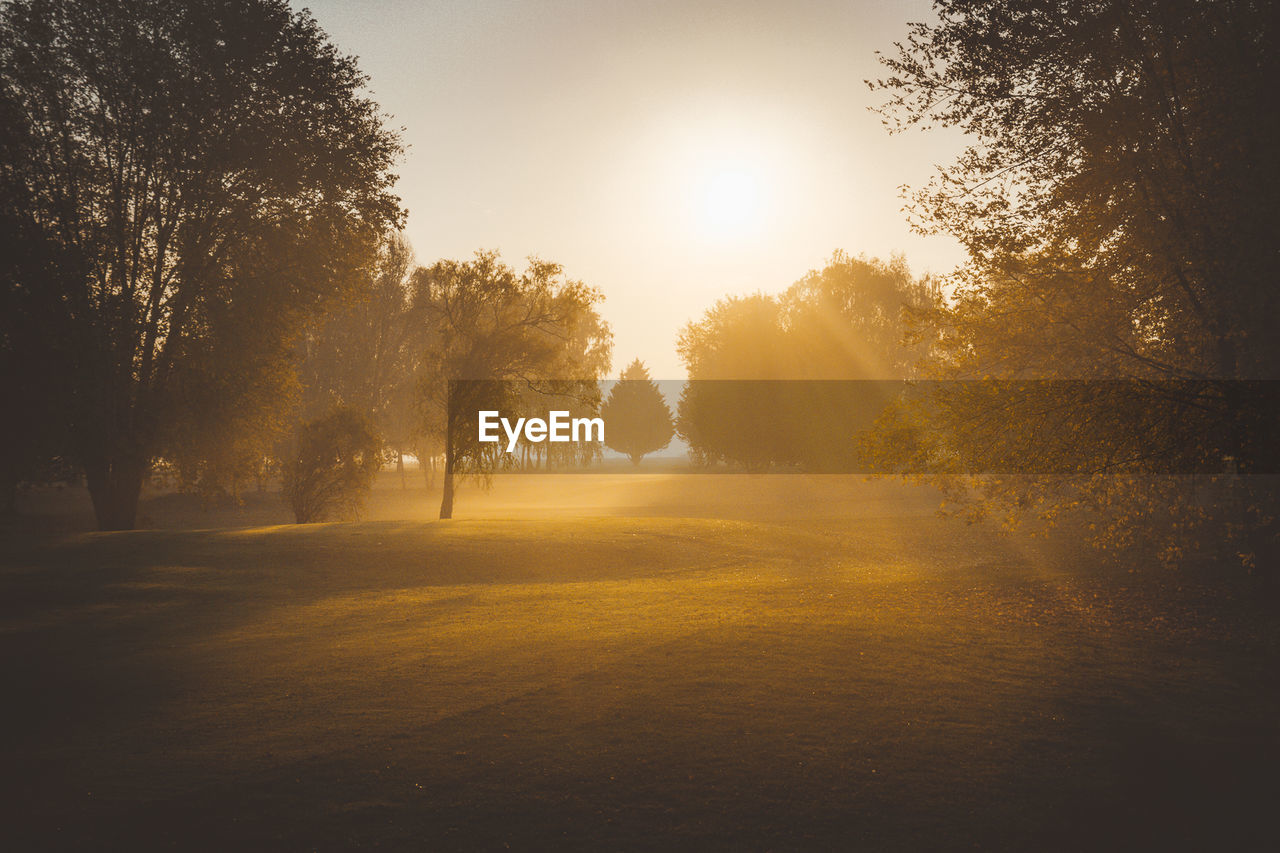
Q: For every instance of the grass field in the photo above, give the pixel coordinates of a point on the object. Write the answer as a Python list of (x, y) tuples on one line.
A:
[(613, 663)]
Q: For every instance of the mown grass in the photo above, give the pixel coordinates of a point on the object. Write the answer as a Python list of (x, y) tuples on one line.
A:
[(874, 679)]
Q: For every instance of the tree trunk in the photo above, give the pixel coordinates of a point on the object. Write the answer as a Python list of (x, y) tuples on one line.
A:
[(400, 467), (450, 452), (115, 485), (446, 501)]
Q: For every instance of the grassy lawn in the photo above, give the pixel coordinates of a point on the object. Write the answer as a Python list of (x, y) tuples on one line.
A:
[(846, 673)]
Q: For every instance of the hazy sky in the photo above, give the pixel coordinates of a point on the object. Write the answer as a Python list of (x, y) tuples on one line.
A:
[(668, 153)]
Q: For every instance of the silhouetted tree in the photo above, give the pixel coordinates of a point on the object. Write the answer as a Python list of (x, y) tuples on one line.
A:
[(494, 334), (719, 415), (1119, 204), (1122, 151), (637, 418), (201, 175), (770, 377)]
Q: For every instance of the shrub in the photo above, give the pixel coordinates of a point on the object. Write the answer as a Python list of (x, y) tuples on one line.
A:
[(332, 469)]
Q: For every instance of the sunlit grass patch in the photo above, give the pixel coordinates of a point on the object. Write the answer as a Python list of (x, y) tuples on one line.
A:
[(608, 679)]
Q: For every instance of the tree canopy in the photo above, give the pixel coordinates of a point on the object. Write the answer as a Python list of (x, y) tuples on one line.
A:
[(1121, 185), (783, 380)]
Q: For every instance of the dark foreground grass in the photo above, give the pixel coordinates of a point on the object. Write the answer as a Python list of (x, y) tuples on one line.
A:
[(890, 683)]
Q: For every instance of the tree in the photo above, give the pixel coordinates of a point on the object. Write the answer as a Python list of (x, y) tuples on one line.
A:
[(364, 354), (1124, 149), (1119, 204), (494, 335), (857, 318), (637, 418), (787, 380), (332, 466), (357, 353), (725, 412), (197, 176)]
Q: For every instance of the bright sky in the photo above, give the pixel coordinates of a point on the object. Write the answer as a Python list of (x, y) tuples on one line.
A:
[(668, 153)]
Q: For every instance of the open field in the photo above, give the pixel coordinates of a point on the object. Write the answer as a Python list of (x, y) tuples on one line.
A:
[(598, 662)]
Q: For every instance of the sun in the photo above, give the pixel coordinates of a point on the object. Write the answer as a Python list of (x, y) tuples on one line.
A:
[(724, 178), (729, 201)]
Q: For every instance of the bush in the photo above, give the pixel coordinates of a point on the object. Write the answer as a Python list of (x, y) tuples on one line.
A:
[(332, 469)]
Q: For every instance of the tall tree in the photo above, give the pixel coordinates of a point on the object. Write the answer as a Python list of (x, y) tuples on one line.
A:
[(180, 161), (1119, 202), (494, 335), (1121, 173), (636, 417)]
